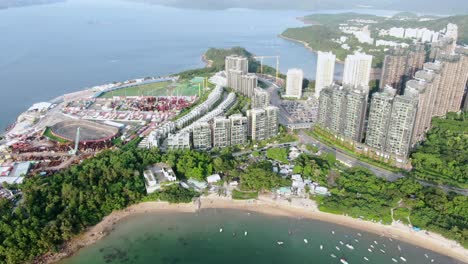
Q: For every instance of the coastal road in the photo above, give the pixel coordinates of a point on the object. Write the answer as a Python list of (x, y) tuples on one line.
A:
[(379, 172), (345, 158)]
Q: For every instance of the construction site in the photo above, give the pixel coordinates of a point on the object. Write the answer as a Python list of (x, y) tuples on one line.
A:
[(51, 136)]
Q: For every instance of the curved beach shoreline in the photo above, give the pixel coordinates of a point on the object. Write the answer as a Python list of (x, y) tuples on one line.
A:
[(306, 45), (296, 208)]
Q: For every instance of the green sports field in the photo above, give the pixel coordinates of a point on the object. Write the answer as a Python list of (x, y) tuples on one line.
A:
[(156, 89)]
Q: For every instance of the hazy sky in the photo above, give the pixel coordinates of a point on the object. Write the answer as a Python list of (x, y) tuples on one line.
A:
[(432, 6)]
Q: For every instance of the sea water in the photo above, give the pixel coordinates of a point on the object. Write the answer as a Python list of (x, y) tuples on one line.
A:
[(196, 238)]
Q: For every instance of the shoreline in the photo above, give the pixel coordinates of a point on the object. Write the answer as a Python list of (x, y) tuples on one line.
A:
[(306, 45), (264, 205), (208, 63)]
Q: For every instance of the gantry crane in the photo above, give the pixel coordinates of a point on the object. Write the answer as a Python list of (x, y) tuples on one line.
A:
[(269, 57)]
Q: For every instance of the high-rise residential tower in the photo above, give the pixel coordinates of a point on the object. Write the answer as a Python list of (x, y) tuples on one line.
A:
[(201, 136), (239, 129), (237, 63), (221, 132), (402, 120), (342, 110), (325, 71), (454, 76), (248, 84), (357, 70), (294, 80), (379, 118), (261, 98), (400, 65), (257, 124)]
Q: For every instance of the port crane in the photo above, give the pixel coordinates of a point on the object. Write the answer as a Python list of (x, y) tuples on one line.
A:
[(269, 57)]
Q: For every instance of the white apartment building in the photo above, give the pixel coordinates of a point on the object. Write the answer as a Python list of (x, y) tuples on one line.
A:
[(294, 83), (325, 71), (357, 70)]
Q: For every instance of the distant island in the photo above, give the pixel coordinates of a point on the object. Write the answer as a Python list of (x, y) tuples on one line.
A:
[(18, 3), (444, 7), (345, 33)]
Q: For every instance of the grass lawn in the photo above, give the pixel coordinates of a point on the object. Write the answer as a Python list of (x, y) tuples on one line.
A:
[(155, 89), (239, 195), (48, 133), (401, 214)]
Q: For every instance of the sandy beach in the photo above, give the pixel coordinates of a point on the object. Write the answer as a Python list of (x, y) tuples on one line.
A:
[(296, 208)]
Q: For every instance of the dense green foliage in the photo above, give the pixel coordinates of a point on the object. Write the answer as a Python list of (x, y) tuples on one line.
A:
[(260, 177), (278, 154), (173, 194), (217, 56), (443, 156), (190, 164), (56, 208), (359, 193), (313, 167)]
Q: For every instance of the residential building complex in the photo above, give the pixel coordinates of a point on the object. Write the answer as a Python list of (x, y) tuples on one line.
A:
[(260, 99), (238, 129), (201, 135), (294, 80), (342, 110), (379, 118), (248, 84), (263, 123), (454, 75), (400, 65), (238, 77), (221, 132), (325, 71), (238, 63), (357, 70), (401, 125)]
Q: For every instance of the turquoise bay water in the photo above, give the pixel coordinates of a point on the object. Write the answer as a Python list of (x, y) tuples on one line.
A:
[(195, 238)]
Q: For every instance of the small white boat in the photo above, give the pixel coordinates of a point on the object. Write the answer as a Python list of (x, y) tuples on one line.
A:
[(321, 247), (394, 260), (391, 240), (245, 233), (342, 260), (332, 255), (366, 259), (359, 234), (399, 248), (375, 242), (333, 232), (384, 245), (306, 241), (280, 243), (220, 230), (426, 255), (349, 246), (402, 258), (341, 242), (337, 248), (357, 241), (372, 246), (432, 260), (383, 251), (370, 250)]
